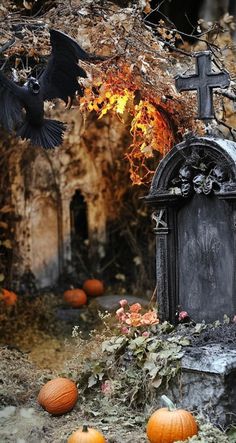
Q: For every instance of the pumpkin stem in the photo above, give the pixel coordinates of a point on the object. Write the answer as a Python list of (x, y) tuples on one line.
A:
[(170, 405), (85, 428)]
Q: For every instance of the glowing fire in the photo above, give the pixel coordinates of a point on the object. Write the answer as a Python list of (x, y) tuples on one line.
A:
[(117, 93)]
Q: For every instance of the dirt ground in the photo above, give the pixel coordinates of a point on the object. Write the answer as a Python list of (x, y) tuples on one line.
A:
[(23, 420), (34, 347)]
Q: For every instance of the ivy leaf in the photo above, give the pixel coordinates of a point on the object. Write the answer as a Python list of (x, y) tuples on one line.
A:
[(92, 380), (199, 328), (113, 345), (137, 342), (184, 342)]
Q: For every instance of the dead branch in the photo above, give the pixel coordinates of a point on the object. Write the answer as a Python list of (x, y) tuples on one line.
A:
[(7, 45), (227, 94)]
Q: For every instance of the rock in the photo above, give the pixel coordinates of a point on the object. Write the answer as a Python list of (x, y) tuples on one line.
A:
[(207, 383), (7, 411), (68, 315), (111, 302), (27, 413), (214, 358)]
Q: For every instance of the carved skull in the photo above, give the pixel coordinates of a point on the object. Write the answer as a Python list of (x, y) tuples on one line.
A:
[(185, 174), (207, 186), (219, 174), (198, 183), (186, 189)]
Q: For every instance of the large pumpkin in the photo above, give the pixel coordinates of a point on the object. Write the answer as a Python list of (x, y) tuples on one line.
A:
[(8, 297), (75, 297), (86, 435), (58, 396), (93, 287), (169, 424)]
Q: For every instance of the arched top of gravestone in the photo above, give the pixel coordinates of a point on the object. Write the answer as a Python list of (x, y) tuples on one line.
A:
[(202, 165)]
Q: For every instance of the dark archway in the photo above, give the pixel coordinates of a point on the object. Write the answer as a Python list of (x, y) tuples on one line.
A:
[(79, 233), (78, 216)]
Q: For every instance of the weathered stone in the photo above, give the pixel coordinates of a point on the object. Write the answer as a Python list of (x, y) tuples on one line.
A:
[(6, 412), (27, 412), (215, 359), (68, 315), (207, 383), (194, 195), (43, 186), (111, 302)]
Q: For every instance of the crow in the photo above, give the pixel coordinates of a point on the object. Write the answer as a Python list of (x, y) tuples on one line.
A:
[(22, 107)]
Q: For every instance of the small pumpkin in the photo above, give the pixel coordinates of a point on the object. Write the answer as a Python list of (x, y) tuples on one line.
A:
[(75, 297), (86, 435), (169, 424), (93, 287), (58, 396), (8, 297)]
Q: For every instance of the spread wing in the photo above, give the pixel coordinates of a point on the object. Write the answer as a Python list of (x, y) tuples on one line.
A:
[(11, 104), (59, 79)]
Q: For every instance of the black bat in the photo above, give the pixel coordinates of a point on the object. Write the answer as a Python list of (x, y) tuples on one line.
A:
[(22, 107)]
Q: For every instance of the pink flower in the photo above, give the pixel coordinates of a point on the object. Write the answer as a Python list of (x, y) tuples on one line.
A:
[(183, 315), (234, 319), (106, 387), (135, 307), (145, 334), (150, 318), (120, 312), (125, 330), (123, 302)]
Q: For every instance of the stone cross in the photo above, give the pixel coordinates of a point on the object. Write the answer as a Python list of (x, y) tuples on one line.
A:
[(203, 81)]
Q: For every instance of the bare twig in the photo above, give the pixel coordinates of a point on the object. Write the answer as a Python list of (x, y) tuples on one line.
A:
[(7, 45), (230, 128), (227, 94)]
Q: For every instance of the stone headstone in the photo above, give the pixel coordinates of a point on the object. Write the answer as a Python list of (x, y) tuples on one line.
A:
[(194, 195)]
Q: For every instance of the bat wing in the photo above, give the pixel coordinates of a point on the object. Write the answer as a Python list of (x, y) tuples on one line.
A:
[(59, 79), (11, 96)]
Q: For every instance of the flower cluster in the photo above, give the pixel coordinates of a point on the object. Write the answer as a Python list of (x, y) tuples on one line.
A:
[(130, 316)]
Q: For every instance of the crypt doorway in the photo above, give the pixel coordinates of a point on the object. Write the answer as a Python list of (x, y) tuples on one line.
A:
[(79, 230)]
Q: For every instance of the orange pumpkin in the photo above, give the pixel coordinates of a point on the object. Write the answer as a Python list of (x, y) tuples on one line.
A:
[(58, 396), (8, 297), (75, 297), (86, 435), (169, 424), (93, 287)]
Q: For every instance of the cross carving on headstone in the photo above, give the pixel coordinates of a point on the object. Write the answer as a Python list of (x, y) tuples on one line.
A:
[(203, 81)]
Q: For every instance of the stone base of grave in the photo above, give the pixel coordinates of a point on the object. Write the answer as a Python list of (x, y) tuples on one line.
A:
[(207, 383)]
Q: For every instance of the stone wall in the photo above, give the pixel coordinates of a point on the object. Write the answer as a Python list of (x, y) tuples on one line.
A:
[(43, 184)]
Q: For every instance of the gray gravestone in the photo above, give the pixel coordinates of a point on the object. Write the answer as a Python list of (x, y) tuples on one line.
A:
[(194, 195)]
